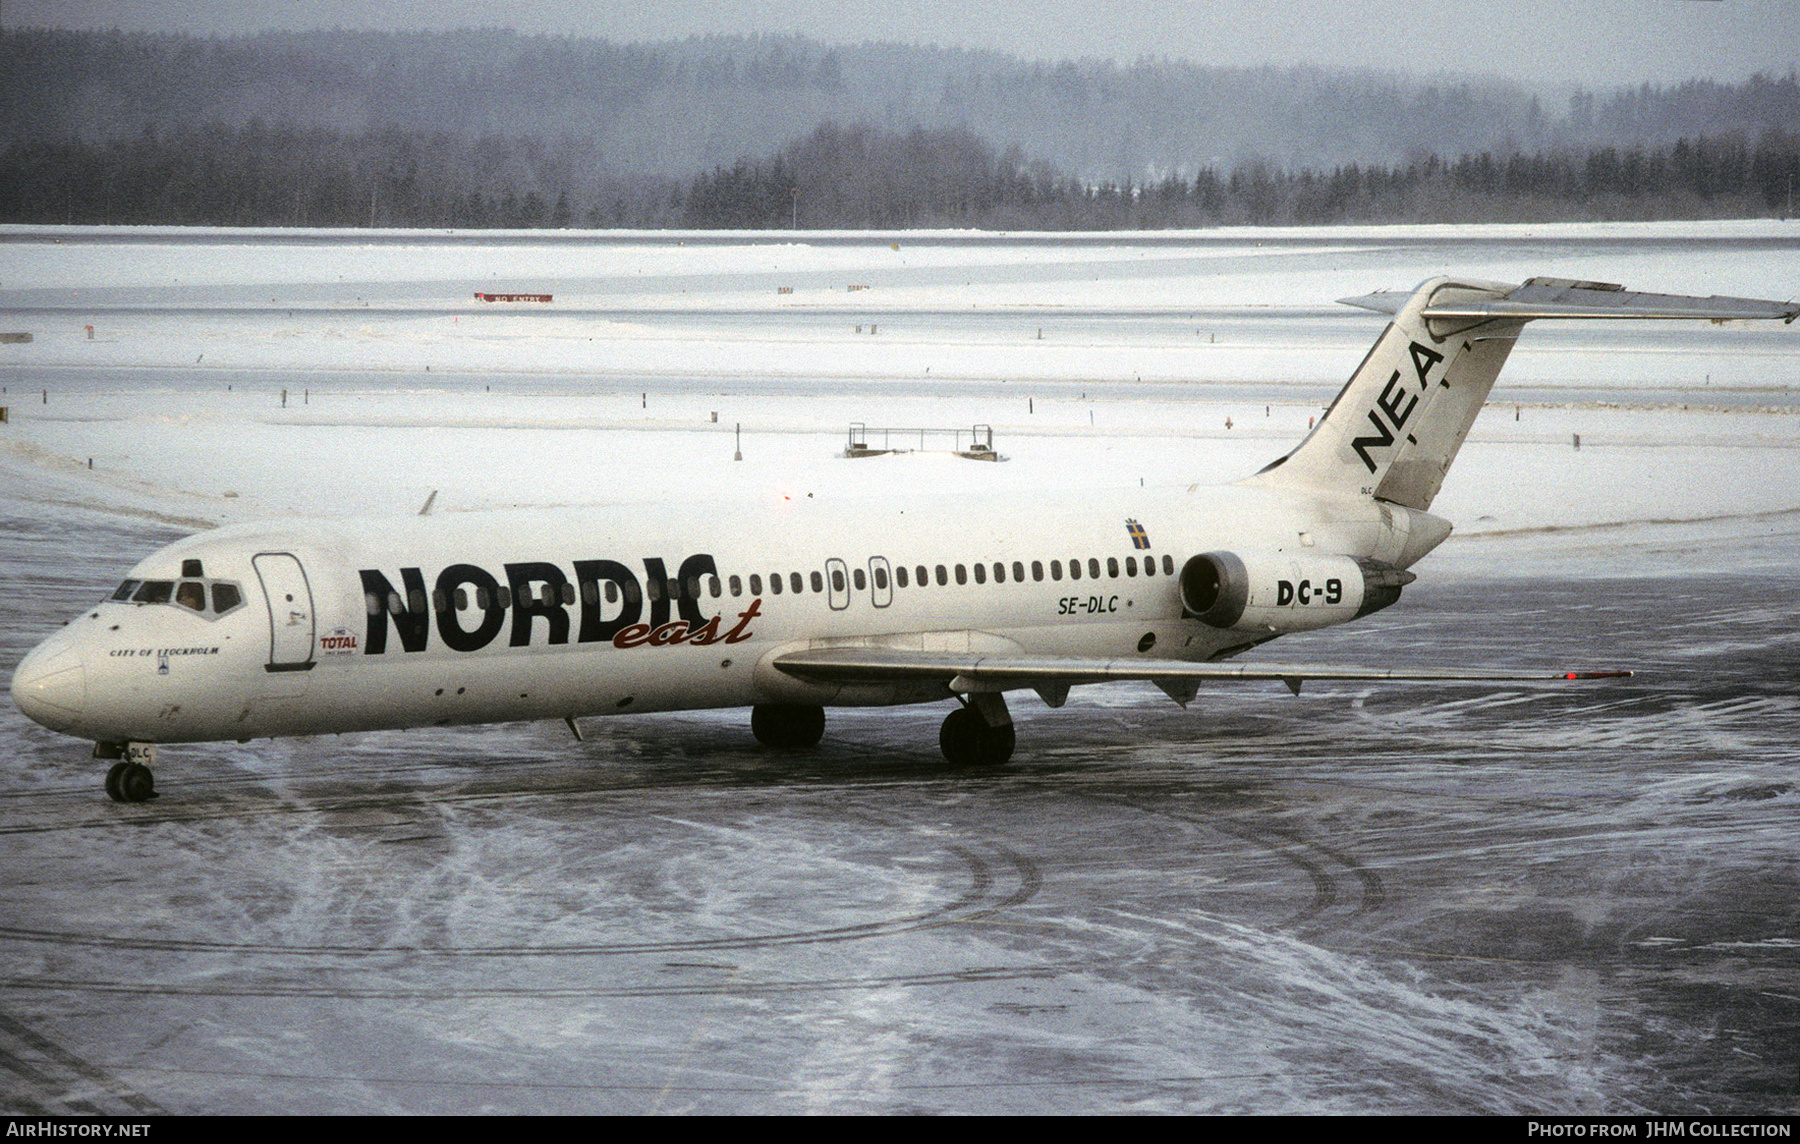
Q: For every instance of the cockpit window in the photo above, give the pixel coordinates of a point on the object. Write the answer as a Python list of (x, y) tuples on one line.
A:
[(154, 592), (192, 594)]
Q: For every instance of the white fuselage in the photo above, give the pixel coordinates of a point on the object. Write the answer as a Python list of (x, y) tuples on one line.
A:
[(347, 625)]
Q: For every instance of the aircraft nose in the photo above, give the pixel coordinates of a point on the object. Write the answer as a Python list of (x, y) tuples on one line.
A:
[(50, 687)]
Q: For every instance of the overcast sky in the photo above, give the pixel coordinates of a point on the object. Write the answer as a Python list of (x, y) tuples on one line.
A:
[(1596, 43)]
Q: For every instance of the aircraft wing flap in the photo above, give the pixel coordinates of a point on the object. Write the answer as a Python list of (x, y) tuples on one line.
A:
[(974, 672)]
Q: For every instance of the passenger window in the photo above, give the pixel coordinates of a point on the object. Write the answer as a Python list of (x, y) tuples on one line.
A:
[(980, 574), (962, 574), (372, 603), (1018, 572), (417, 598), (590, 593), (612, 592), (125, 589), (999, 573), (837, 581), (154, 592), (924, 577), (737, 585), (755, 584), (775, 583), (1112, 567), (191, 594), (654, 588), (712, 586), (693, 587), (1056, 570), (674, 587), (899, 575), (881, 579), (395, 607), (1168, 565), (227, 597), (1037, 571), (568, 593), (481, 599), (1131, 566), (857, 581), (795, 582), (942, 576), (1074, 569), (462, 599), (634, 595), (439, 601), (1093, 568)]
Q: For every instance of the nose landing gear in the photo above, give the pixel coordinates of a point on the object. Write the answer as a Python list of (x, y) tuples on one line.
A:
[(129, 779)]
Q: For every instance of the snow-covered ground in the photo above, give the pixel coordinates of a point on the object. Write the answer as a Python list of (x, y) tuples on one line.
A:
[(234, 375)]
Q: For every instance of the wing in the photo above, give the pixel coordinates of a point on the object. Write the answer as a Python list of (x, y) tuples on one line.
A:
[(1052, 676)]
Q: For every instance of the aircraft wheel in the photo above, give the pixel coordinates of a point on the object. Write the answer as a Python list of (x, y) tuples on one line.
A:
[(788, 726), (113, 775), (136, 783), (999, 747), (968, 741)]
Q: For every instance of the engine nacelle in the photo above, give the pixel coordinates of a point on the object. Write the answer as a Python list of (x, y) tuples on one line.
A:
[(1279, 592)]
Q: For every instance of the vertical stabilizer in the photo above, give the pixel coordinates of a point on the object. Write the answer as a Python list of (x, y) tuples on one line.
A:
[(1397, 424)]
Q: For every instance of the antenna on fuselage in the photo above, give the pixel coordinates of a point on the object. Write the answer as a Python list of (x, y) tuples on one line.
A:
[(426, 510)]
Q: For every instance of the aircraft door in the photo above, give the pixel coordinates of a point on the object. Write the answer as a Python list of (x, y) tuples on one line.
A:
[(291, 624), (837, 584), (881, 582)]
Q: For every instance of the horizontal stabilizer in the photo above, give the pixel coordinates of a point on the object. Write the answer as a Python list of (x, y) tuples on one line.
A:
[(1568, 298), (969, 673)]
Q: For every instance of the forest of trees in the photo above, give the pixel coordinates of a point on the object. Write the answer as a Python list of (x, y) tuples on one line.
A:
[(862, 178), (673, 108), (846, 177), (485, 129)]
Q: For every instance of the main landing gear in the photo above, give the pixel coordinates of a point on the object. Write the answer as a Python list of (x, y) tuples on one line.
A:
[(129, 779), (979, 734), (787, 726)]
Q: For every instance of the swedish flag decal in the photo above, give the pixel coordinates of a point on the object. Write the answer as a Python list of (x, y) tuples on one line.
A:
[(1139, 538)]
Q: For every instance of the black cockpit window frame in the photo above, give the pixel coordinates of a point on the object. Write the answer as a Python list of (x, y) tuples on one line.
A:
[(202, 596)]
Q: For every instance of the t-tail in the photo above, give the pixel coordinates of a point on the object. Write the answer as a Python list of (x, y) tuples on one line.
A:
[(1397, 424)]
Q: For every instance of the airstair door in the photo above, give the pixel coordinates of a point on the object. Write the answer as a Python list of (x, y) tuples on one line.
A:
[(291, 624)]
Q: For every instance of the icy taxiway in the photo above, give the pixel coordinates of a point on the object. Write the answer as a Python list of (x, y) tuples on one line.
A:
[(1366, 899)]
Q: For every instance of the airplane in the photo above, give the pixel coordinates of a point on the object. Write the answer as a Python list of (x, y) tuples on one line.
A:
[(309, 626)]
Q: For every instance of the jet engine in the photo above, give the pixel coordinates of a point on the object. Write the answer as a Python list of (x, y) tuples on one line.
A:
[(1279, 592)]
